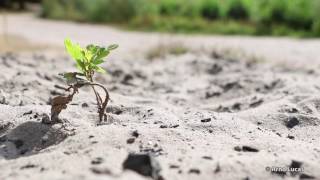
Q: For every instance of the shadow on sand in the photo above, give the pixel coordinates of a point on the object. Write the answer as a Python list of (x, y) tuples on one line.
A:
[(28, 139)]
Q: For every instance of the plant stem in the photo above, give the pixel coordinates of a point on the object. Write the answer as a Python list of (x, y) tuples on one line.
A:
[(98, 97), (105, 102)]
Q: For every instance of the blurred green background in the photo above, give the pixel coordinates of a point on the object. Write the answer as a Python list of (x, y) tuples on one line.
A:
[(299, 18)]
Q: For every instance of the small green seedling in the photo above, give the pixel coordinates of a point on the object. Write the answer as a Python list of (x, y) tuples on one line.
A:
[(88, 61)]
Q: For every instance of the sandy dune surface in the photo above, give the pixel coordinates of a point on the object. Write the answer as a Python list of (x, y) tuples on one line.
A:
[(201, 115)]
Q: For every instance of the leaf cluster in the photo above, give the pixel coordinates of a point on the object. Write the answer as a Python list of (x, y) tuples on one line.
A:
[(89, 59)]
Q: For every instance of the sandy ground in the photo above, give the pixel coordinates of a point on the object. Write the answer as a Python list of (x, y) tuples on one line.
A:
[(201, 114)]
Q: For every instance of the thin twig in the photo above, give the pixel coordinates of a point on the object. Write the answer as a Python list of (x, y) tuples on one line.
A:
[(105, 103)]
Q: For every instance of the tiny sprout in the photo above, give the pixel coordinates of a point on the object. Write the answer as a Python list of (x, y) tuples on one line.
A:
[(88, 61)]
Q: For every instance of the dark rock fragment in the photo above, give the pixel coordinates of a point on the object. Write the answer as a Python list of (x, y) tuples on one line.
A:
[(194, 171), (84, 105), (237, 148), (218, 169), (144, 164), (130, 140), (256, 103), (28, 166), (97, 160), (290, 137), (173, 166), (207, 157), (292, 122), (295, 164), (135, 133), (206, 120), (249, 149), (236, 106), (100, 171), (45, 119), (212, 94), (163, 126), (27, 113), (245, 149), (231, 85), (127, 79)]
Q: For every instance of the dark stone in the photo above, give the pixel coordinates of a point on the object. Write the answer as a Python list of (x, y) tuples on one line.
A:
[(96, 170), (212, 94), (118, 112), (135, 133), (46, 77), (296, 164), (290, 137), (163, 126), (45, 119), (207, 157), (231, 85), (144, 164), (28, 166), (35, 116), (97, 160), (292, 110), (27, 113), (218, 169), (130, 140), (84, 105), (292, 122), (206, 120), (245, 149), (194, 171), (126, 79), (174, 166), (237, 148), (174, 126), (236, 106), (256, 103), (249, 149)]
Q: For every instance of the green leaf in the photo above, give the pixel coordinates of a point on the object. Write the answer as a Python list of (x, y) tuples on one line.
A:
[(102, 53), (81, 66), (98, 61), (92, 48), (88, 58), (88, 55), (73, 49), (100, 69), (112, 47)]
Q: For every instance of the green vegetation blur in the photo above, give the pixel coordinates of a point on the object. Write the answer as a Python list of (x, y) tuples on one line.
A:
[(247, 17)]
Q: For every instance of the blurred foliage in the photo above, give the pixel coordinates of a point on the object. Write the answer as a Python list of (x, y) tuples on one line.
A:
[(255, 17)]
